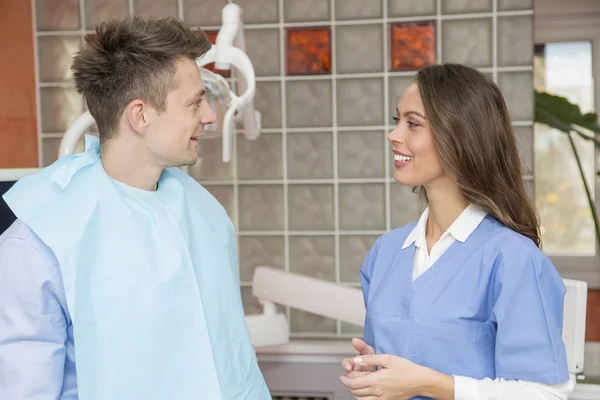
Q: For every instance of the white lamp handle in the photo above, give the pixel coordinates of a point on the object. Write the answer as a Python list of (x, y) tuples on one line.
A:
[(74, 132)]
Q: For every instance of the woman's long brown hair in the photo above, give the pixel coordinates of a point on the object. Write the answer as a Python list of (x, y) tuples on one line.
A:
[(474, 136)]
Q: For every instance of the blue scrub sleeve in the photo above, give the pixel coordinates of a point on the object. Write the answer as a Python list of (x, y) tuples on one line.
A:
[(365, 279), (367, 269), (33, 325), (528, 312)]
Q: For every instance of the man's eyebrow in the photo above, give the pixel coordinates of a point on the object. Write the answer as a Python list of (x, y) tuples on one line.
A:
[(196, 97)]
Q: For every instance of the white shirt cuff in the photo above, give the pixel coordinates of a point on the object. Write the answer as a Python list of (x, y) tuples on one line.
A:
[(466, 388)]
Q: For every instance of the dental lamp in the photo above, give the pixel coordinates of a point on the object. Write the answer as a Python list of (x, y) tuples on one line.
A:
[(229, 50), (229, 108)]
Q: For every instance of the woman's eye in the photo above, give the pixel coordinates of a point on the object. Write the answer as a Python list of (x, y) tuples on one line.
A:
[(396, 120)]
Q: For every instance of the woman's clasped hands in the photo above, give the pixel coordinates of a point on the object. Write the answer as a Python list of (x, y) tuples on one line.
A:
[(398, 378)]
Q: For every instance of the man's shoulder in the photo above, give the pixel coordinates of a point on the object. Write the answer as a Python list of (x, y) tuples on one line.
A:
[(20, 234), (30, 271), (18, 230)]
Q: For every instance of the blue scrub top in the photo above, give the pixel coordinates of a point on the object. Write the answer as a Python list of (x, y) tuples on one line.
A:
[(491, 307)]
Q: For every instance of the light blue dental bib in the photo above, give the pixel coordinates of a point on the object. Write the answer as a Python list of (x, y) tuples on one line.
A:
[(150, 279)]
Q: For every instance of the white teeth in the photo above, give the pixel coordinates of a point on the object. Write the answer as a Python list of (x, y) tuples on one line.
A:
[(398, 157)]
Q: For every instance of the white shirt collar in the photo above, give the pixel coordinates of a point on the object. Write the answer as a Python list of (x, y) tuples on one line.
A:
[(460, 229)]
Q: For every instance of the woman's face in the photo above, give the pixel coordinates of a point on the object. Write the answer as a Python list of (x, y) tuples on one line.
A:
[(416, 159)]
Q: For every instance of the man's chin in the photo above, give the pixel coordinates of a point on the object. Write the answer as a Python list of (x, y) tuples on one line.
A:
[(187, 163), (187, 159)]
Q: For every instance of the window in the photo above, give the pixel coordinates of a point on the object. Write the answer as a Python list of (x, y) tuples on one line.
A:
[(564, 69), (567, 63)]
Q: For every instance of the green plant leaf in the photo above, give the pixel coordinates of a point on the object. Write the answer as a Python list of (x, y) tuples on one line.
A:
[(543, 116), (557, 112)]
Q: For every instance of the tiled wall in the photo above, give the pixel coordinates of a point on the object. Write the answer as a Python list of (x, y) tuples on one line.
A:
[(315, 190)]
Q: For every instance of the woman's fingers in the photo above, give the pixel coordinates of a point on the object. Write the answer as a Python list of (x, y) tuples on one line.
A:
[(348, 364), (362, 348), (355, 373)]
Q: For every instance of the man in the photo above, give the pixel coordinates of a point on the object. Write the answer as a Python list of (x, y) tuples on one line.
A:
[(119, 278)]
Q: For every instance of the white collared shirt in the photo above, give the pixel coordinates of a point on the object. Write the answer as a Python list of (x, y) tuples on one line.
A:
[(466, 388), (460, 230)]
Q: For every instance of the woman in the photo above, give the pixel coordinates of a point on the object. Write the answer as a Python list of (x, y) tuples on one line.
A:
[(462, 304)]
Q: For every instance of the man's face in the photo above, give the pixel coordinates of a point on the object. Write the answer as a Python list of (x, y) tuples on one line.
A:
[(172, 137)]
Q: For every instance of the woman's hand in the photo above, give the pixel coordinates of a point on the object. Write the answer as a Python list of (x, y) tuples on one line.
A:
[(398, 379), (363, 349)]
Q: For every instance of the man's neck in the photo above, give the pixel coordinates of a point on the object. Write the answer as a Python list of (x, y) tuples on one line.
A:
[(124, 160)]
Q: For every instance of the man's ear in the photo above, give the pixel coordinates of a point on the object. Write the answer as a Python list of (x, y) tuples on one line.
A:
[(139, 114)]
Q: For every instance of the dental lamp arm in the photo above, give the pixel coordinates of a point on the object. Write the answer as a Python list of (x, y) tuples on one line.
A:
[(230, 31)]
